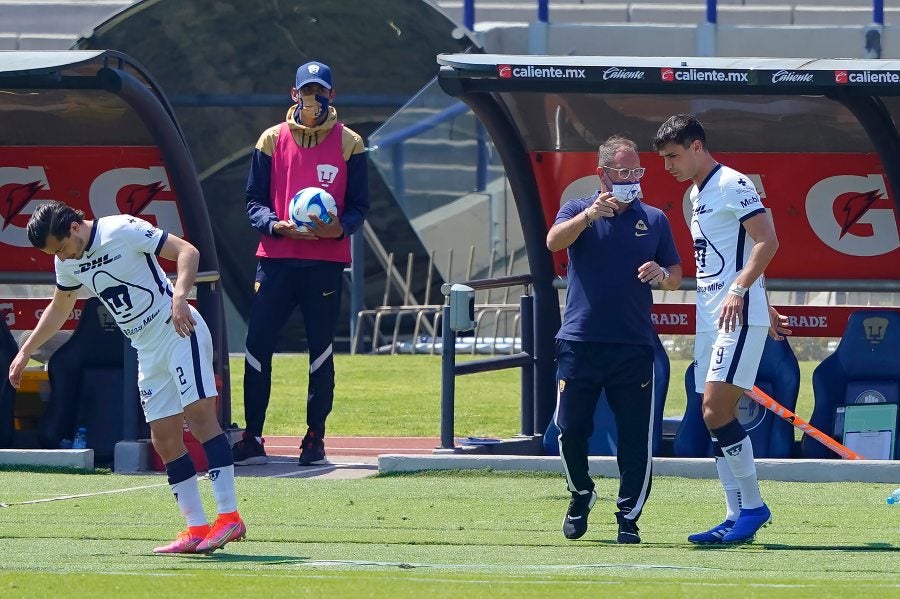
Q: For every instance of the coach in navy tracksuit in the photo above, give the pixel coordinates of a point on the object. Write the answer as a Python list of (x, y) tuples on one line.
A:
[(618, 247), (304, 268)]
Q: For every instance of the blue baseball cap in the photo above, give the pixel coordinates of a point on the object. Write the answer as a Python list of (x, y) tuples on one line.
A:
[(313, 72)]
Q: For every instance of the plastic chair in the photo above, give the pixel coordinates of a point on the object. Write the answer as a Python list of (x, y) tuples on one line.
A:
[(779, 377), (865, 368), (604, 439)]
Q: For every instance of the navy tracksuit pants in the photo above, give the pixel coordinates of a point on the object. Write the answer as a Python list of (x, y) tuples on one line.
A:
[(283, 285), (625, 372)]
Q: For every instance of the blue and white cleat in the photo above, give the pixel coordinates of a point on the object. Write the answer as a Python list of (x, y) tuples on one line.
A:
[(713, 535), (749, 521)]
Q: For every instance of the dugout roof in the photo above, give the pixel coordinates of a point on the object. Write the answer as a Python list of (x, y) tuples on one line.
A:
[(819, 136), (93, 129)]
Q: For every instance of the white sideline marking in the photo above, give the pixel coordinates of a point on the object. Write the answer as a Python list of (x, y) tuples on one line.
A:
[(322, 468), (80, 495), (306, 470)]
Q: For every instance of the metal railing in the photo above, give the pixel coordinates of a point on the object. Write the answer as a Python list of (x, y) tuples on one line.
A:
[(523, 359), (543, 12), (395, 143)]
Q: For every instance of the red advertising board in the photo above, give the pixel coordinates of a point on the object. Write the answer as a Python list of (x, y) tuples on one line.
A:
[(804, 321), (97, 180), (832, 212)]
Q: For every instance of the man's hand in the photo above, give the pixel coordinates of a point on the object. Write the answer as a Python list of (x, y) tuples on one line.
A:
[(730, 317), (778, 327), (15, 369), (651, 272), (290, 230), (182, 319), (324, 230), (604, 206)]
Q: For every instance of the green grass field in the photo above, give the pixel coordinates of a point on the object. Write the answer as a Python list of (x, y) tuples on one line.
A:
[(484, 534), (400, 396)]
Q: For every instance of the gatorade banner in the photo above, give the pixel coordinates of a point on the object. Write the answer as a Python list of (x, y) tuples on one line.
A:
[(832, 212), (97, 180)]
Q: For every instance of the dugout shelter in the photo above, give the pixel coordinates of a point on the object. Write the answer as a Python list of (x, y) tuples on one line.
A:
[(817, 137), (94, 130)]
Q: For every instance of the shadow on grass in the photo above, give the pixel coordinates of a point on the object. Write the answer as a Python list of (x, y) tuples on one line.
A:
[(237, 558), (868, 547)]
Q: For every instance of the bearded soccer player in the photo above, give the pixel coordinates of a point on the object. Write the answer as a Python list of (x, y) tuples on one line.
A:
[(115, 257)]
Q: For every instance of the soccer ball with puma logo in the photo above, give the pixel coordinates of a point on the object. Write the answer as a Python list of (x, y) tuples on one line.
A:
[(311, 201)]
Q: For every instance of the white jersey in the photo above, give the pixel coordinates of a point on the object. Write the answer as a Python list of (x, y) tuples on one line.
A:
[(722, 246), (119, 266)]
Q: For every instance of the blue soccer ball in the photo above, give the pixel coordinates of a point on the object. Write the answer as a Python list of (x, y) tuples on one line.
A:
[(311, 201)]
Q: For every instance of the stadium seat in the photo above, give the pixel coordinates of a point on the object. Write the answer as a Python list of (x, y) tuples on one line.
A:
[(86, 384), (864, 368), (8, 350), (604, 439), (779, 377)]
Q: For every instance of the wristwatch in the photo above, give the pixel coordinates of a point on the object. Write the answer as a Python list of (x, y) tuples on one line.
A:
[(665, 272)]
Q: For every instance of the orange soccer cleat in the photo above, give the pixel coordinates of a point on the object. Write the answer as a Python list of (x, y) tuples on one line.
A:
[(225, 529)]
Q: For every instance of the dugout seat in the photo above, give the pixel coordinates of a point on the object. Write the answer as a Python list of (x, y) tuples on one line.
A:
[(604, 439), (865, 368), (8, 350), (779, 377), (87, 384)]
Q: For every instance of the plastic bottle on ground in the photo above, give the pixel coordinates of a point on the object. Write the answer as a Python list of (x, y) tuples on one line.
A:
[(894, 497), (80, 440)]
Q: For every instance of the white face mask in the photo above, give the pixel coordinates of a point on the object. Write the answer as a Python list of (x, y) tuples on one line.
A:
[(627, 192)]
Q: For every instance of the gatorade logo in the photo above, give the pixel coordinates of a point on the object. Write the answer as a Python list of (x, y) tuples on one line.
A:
[(852, 215)]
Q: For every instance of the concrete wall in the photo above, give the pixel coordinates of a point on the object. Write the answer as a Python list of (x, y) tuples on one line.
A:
[(632, 39)]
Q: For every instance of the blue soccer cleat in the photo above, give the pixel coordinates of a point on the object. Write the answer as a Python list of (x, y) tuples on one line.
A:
[(713, 535), (749, 521)]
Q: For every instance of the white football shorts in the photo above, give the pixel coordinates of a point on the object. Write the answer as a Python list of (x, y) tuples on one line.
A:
[(177, 372), (729, 357)]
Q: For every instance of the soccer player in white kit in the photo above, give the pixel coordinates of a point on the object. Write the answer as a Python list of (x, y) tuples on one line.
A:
[(734, 241), (115, 257)]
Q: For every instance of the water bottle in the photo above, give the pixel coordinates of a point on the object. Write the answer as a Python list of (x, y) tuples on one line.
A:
[(894, 497), (80, 440)]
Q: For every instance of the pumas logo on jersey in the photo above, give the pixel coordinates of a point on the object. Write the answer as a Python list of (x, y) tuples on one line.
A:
[(640, 228), (326, 174), (562, 385)]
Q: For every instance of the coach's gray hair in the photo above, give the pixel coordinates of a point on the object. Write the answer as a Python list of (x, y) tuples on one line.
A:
[(607, 151)]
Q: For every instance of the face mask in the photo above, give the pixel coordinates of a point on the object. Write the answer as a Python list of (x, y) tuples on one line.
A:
[(314, 104), (626, 192)]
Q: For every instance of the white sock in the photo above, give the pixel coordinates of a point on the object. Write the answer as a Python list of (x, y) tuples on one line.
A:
[(730, 486), (740, 459), (187, 495), (222, 481)]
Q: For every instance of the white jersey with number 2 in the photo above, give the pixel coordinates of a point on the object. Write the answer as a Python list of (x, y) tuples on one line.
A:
[(719, 206)]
